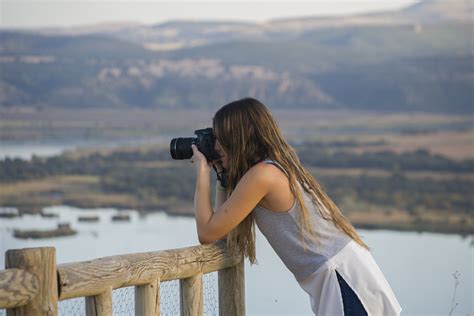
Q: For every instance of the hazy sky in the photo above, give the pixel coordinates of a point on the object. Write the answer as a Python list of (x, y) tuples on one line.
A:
[(40, 13)]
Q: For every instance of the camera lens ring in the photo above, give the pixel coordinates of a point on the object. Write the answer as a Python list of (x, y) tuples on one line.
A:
[(174, 148), (180, 148)]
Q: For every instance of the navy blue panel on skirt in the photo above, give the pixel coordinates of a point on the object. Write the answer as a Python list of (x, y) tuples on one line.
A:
[(352, 304)]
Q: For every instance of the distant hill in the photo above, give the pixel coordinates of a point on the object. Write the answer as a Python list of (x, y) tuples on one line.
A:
[(416, 59)]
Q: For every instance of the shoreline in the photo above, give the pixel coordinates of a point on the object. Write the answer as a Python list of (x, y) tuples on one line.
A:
[(360, 220)]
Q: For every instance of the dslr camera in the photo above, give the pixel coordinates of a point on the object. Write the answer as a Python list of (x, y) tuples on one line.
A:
[(180, 148)]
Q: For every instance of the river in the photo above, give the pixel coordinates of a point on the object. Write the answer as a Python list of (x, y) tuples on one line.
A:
[(419, 266), (25, 150)]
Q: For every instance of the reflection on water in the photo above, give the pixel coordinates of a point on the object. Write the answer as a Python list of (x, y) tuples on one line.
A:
[(26, 150), (419, 267)]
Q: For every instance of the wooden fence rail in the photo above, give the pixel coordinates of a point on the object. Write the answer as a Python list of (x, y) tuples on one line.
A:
[(33, 284)]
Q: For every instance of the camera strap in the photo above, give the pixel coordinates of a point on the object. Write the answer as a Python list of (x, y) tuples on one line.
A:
[(221, 176)]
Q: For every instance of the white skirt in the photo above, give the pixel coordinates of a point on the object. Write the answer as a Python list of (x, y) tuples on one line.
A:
[(360, 271)]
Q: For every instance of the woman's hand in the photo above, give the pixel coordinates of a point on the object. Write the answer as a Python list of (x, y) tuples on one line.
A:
[(199, 160)]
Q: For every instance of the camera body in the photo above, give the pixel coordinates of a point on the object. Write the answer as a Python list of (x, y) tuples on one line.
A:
[(180, 148)]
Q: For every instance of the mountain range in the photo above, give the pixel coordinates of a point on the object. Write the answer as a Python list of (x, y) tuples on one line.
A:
[(416, 59)]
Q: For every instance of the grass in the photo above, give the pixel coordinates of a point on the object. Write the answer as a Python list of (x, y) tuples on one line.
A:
[(454, 303), (82, 191), (85, 192), (57, 183), (443, 134), (354, 172)]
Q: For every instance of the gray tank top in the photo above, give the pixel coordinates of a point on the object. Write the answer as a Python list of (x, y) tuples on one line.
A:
[(283, 232)]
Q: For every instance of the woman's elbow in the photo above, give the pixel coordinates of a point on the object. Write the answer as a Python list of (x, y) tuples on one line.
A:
[(205, 240), (204, 237)]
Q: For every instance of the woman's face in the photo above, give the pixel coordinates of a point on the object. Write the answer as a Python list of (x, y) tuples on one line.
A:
[(223, 154)]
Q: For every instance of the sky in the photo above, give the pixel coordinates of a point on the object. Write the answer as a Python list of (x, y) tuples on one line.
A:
[(67, 13)]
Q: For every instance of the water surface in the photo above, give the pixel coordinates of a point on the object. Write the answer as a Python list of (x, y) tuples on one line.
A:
[(419, 266)]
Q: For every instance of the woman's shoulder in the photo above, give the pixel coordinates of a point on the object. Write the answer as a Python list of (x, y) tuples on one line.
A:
[(260, 175), (267, 169), (262, 168), (274, 166), (279, 197)]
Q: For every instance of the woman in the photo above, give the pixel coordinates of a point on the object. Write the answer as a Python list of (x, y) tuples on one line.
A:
[(268, 185)]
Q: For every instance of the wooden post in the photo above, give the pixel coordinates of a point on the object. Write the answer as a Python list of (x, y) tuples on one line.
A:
[(147, 299), (99, 305), (17, 287), (232, 290), (192, 296), (40, 262)]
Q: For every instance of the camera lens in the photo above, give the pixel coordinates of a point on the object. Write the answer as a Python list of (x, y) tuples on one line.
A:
[(180, 148)]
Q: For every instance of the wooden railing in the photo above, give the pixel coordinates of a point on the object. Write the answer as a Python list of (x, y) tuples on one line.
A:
[(32, 283)]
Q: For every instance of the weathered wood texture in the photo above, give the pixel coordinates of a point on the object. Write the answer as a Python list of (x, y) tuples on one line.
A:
[(147, 299), (94, 277), (17, 287), (100, 305), (191, 296), (29, 285), (40, 262), (232, 290)]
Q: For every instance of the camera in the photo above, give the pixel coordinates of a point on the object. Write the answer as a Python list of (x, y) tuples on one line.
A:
[(180, 148)]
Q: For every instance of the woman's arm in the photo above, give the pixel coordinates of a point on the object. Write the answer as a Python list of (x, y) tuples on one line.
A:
[(221, 195), (253, 186)]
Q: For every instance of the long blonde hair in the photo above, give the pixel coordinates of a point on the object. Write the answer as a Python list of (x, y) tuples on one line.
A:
[(248, 133)]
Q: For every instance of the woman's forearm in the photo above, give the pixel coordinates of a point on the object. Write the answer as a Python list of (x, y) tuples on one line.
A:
[(221, 196), (202, 201)]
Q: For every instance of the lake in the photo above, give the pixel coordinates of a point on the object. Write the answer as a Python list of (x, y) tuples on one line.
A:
[(25, 150), (419, 266)]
